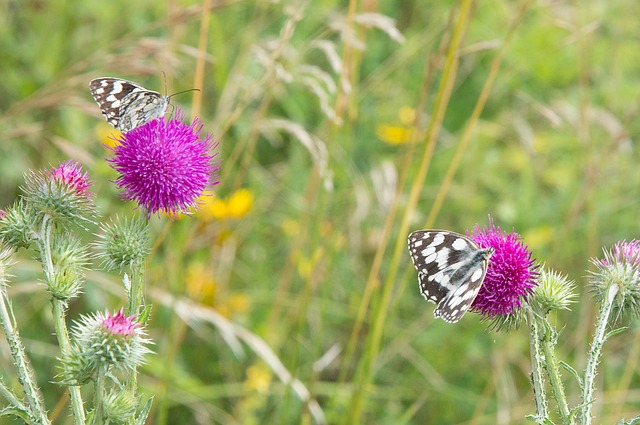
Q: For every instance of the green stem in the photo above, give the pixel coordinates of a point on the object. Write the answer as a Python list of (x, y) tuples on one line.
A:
[(595, 352), (552, 368), (58, 309), (98, 396), (136, 295), (537, 379), (26, 375)]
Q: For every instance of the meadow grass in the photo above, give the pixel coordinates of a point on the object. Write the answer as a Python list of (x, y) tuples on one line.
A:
[(290, 297)]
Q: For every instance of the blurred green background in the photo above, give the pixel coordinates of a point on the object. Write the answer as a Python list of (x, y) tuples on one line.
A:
[(290, 296)]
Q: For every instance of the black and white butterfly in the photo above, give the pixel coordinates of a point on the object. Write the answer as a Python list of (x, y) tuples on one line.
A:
[(127, 105), (451, 269)]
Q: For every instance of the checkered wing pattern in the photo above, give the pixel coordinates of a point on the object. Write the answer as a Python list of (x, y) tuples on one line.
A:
[(127, 105), (451, 269)]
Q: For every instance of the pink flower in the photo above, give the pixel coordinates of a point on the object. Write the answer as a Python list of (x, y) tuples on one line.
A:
[(511, 274), (70, 173), (119, 324), (165, 166)]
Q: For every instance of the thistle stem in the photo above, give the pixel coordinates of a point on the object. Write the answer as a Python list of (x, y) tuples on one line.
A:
[(537, 379), (553, 372), (58, 309), (599, 337), (26, 375)]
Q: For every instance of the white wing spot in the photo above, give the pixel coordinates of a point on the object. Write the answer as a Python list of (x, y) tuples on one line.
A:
[(427, 252), (117, 87), (437, 277), (460, 244), (437, 240), (476, 275), (442, 258), (431, 258), (417, 244)]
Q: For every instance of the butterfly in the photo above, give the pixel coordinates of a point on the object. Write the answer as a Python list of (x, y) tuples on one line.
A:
[(451, 268), (127, 105)]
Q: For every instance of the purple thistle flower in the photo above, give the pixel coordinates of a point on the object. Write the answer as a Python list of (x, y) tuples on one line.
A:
[(164, 166), (511, 274), (625, 253), (119, 324), (619, 272), (70, 173)]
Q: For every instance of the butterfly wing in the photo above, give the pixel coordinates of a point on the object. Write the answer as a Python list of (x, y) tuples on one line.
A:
[(127, 105), (451, 269)]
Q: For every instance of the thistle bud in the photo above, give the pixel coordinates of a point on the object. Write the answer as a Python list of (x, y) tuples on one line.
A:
[(16, 226), (103, 340), (123, 243), (619, 274), (61, 193)]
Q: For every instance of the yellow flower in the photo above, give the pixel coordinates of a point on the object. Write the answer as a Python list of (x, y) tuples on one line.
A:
[(238, 303), (212, 208), (258, 378), (200, 285), (393, 135), (107, 134), (237, 205), (398, 134), (407, 115)]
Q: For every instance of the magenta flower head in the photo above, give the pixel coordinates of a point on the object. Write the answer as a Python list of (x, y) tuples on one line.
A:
[(165, 166), (102, 341), (511, 275), (119, 324), (61, 193), (70, 173), (616, 280)]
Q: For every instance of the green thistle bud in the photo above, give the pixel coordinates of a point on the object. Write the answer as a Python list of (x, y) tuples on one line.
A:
[(119, 407), (554, 292), (16, 226), (61, 193), (123, 243), (70, 259)]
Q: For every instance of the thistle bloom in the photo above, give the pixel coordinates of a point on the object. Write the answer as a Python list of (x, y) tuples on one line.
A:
[(70, 173), (511, 274), (164, 166), (103, 340), (618, 276), (61, 193), (119, 324)]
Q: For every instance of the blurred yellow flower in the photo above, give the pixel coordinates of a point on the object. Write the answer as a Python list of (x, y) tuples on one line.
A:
[(407, 115), (107, 134), (237, 205), (395, 134), (258, 378), (200, 285), (238, 303)]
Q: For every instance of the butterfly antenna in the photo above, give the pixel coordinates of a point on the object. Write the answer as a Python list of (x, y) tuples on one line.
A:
[(166, 90), (184, 91)]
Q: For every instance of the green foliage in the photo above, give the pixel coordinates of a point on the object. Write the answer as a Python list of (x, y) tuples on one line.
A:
[(279, 290)]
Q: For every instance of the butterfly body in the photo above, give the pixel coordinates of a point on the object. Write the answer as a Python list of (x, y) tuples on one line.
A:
[(451, 269), (127, 105)]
